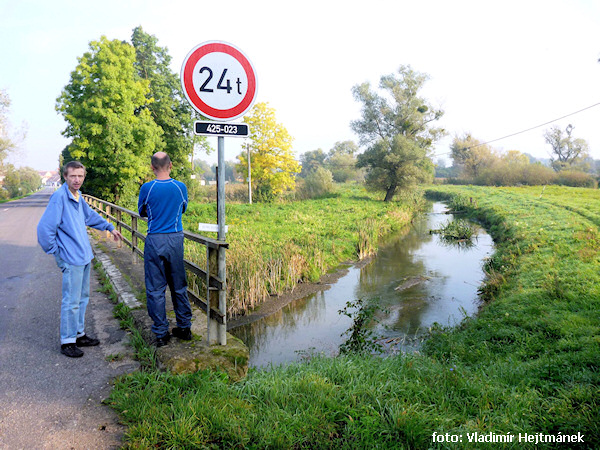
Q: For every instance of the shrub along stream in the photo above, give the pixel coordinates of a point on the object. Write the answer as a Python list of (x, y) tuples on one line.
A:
[(528, 363)]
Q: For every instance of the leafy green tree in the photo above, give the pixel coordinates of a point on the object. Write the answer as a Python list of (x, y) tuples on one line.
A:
[(272, 162), (167, 104), (106, 109), (471, 156), (21, 181), (567, 152), (397, 130), (203, 170), (230, 171), (311, 161), (344, 148), (341, 161)]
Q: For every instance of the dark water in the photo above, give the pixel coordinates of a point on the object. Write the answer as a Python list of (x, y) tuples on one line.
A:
[(445, 277)]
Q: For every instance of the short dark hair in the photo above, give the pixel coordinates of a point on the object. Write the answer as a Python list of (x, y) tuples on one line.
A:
[(159, 162), (72, 165)]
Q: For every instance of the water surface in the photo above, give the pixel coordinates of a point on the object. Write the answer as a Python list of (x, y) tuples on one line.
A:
[(446, 280)]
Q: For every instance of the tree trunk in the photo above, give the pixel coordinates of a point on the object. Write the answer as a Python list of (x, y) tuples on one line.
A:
[(389, 195)]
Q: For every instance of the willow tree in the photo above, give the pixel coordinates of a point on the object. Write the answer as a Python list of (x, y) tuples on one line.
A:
[(396, 127), (272, 163), (113, 134), (567, 151)]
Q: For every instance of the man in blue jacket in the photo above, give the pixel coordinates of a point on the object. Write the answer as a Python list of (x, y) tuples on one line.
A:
[(62, 232), (164, 200)]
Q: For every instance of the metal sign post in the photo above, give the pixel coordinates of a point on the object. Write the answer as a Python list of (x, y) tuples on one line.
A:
[(221, 235), (220, 83)]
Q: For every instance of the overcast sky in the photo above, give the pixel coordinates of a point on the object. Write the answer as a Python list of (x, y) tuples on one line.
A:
[(495, 67)]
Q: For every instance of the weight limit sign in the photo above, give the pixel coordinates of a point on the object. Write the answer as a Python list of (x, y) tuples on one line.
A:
[(219, 80)]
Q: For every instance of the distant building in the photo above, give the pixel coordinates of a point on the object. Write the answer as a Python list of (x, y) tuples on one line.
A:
[(50, 178)]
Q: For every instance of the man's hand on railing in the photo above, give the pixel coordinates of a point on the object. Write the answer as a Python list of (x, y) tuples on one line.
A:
[(117, 236)]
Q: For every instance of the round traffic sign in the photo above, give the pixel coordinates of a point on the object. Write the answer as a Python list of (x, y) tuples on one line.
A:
[(218, 80)]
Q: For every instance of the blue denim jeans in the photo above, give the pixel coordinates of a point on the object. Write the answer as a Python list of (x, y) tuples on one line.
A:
[(75, 298), (163, 266)]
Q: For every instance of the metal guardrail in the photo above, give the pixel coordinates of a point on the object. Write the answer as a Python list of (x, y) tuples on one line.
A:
[(213, 283)]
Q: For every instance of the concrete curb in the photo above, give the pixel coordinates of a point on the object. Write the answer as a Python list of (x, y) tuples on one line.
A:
[(120, 285)]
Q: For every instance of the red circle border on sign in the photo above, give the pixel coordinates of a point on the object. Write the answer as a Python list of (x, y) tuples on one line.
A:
[(190, 92)]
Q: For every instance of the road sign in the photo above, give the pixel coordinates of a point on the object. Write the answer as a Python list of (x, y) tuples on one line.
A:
[(221, 129), (218, 80)]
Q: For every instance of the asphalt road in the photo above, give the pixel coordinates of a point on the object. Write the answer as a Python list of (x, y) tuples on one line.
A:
[(49, 401)]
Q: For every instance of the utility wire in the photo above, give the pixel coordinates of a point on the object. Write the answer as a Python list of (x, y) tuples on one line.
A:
[(525, 131)]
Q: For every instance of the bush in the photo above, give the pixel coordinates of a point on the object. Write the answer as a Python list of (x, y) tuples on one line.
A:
[(575, 178), (318, 183), (234, 192)]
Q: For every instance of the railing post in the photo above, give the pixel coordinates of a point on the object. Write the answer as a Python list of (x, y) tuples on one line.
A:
[(107, 209), (119, 217), (134, 238)]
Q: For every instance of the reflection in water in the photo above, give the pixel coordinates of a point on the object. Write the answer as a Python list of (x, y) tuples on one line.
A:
[(442, 287)]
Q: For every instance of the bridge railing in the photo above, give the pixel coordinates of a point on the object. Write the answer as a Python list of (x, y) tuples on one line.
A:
[(216, 316)]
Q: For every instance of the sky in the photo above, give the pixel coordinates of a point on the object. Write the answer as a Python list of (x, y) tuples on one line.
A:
[(494, 67)]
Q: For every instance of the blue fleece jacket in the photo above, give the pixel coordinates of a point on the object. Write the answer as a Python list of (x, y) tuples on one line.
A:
[(62, 228)]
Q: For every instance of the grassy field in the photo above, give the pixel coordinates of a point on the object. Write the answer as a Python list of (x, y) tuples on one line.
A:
[(527, 364)]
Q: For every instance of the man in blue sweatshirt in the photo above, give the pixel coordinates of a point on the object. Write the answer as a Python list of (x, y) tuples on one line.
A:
[(163, 201), (62, 232)]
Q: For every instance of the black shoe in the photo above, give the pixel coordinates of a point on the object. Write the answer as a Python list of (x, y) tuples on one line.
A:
[(182, 333), (86, 341), (163, 340), (71, 350)]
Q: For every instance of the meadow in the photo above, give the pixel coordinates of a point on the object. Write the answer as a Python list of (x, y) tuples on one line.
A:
[(527, 366)]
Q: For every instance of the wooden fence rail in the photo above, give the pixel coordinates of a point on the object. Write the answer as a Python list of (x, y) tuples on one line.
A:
[(213, 283)]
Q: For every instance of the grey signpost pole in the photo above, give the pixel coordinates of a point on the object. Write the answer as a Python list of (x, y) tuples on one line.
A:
[(222, 328)]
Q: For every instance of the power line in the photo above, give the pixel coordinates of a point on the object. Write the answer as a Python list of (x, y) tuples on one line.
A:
[(528, 129)]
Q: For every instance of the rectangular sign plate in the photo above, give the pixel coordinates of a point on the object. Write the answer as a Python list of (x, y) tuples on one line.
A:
[(221, 129), (211, 227)]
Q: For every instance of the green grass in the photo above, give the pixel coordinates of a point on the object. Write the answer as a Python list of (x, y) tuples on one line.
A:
[(528, 363), (275, 246)]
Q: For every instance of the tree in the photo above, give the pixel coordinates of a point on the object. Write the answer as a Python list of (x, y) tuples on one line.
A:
[(166, 101), (230, 171), (105, 106), (203, 170), (8, 142), (311, 161), (341, 161), (271, 160), (21, 181), (567, 152), (471, 156), (398, 132), (344, 148)]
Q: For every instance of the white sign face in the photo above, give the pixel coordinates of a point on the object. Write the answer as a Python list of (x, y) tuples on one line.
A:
[(218, 81)]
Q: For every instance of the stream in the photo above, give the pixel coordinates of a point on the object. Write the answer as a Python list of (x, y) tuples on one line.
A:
[(417, 279)]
